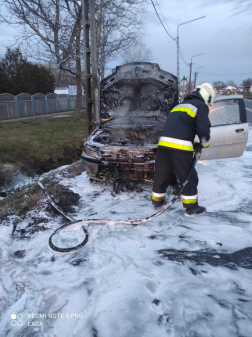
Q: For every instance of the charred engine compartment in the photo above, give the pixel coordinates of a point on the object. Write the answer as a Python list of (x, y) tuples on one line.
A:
[(139, 131), (135, 101)]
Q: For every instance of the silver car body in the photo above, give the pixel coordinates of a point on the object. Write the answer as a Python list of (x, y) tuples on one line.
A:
[(229, 130)]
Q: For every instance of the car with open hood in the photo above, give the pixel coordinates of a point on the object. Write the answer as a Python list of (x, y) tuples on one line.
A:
[(135, 101)]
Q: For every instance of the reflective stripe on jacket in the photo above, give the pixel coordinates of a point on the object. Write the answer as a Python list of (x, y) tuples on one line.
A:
[(175, 143), (185, 121), (190, 109)]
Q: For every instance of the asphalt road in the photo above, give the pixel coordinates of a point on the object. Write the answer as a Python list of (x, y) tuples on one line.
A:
[(248, 104)]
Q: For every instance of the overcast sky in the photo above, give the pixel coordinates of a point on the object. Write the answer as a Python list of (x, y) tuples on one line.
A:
[(224, 36)]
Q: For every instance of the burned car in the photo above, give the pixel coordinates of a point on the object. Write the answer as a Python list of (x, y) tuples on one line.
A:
[(135, 101)]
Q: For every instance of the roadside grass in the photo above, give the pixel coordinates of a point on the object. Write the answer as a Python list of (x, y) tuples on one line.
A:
[(27, 198), (43, 143), (21, 202)]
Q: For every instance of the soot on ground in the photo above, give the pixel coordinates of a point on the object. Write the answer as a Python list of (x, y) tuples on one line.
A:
[(242, 258)]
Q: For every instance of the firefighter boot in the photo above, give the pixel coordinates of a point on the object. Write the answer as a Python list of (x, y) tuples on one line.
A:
[(198, 210), (158, 204)]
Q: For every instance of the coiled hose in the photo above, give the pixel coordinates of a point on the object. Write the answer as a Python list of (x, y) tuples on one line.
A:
[(107, 222)]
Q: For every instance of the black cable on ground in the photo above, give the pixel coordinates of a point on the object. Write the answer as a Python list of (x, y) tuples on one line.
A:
[(72, 249), (72, 221), (108, 222)]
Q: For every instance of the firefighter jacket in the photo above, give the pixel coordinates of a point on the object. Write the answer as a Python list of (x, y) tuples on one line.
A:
[(186, 120)]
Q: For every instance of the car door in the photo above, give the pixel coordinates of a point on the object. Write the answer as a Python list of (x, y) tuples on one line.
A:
[(229, 130)]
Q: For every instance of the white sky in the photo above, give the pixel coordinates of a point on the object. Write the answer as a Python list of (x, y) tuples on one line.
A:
[(224, 36)]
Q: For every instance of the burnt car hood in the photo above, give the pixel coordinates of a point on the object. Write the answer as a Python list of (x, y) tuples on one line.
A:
[(135, 101), (137, 89)]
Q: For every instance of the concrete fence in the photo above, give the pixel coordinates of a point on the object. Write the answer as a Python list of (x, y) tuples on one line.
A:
[(25, 105)]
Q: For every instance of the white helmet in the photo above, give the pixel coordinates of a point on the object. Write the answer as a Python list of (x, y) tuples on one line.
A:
[(207, 92)]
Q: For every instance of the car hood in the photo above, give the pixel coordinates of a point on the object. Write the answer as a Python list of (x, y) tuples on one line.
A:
[(137, 90)]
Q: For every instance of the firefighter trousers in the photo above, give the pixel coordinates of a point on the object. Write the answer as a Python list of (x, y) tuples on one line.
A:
[(181, 162)]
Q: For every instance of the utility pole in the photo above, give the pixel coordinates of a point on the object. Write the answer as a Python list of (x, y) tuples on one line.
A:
[(189, 88), (178, 70), (178, 67), (195, 78), (196, 74), (191, 71), (90, 55)]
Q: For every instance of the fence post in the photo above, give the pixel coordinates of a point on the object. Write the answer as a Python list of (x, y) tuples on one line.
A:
[(68, 103), (33, 105), (47, 109), (58, 105), (17, 107)]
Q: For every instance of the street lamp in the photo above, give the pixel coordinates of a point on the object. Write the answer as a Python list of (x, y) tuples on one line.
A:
[(191, 71), (196, 73), (178, 75)]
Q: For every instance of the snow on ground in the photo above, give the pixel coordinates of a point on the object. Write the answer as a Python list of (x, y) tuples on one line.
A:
[(175, 276)]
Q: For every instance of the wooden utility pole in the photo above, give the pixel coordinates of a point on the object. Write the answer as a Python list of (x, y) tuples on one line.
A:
[(196, 74), (191, 71), (189, 90), (195, 78), (90, 54)]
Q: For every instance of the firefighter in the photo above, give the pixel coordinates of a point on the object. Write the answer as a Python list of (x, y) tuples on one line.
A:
[(176, 147)]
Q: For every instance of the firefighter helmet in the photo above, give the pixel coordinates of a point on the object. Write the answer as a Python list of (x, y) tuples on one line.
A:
[(207, 92)]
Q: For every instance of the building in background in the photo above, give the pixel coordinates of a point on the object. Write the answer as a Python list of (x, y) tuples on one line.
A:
[(220, 88), (248, 89), (192, 87), (61, 90), (68, 90)]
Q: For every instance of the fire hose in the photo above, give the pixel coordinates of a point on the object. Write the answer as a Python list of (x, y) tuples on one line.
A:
[(109, 222)]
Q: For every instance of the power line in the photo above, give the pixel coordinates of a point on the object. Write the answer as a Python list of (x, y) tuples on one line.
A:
[(161, 45), (227, 75), (183, 57), (161, 21), (165, 21)]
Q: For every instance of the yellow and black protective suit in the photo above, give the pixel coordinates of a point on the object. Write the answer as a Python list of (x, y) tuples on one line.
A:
[(175, 148)]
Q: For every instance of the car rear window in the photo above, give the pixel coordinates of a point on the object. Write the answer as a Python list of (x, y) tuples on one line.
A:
[(225, 112)]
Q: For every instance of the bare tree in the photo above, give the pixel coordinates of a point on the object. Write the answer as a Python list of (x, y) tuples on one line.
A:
[(218, 83), (51, 32), (120, 24), (137, 52), (231, 83), (247, 82)]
